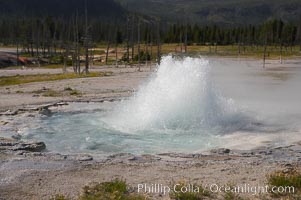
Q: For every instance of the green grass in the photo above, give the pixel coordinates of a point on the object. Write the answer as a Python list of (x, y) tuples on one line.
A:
[(233, 50), (68, 89), (75, 93), (16, 80), (285, 179), (53, 93), (59, 197), (115, 190), (288, 179), (232, 196)]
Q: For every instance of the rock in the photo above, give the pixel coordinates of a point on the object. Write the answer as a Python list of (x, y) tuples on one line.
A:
[(181, 155), (144, 158), (46, 112), (287, 171), (31, 146), (19, 153), (121, 155), (3, 123), (134, 158), (7, 142), (288, 165), (84, 158), (17, 136), (15, 145), (9, 112), (220, 151), (198, 165)]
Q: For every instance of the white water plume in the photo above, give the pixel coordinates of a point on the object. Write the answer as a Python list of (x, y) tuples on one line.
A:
[(180, 95)]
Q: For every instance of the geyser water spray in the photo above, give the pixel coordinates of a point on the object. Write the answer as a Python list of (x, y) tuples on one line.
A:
[(180, 95)]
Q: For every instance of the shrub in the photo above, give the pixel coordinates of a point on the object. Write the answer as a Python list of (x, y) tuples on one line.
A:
[(115, 190)]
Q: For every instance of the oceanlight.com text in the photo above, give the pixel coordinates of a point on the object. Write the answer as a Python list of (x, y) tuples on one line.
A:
[(214, 188)]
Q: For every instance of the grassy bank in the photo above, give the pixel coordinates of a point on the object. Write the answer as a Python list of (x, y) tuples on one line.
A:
[(16, 80), (118, 189)]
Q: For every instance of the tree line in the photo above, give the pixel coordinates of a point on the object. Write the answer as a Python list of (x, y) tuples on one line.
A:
[(271, 32), (47, 36)]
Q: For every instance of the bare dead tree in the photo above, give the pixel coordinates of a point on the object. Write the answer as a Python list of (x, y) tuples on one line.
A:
[(138, 41), (86, 40), (67, 47), (299, 33), (186, 36), (116, 47), (108, 45), (158, 43), (265, 49), (151, 45), (146, 46), (38, 43), (127, 40), (18, 52), (77, 46), (54, 40), (281, 51), (132, 38), (32, 39), (239, 43), (181, 41)]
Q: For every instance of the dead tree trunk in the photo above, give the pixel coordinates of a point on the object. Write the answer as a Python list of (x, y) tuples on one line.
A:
[(151, 49), (158, 44), (138, 40), (181, 42), (87, 40), (116, 49), (264, 54), (77, 45), (17, 52), (87, 63), (146, 49), (127, 41), (66, 59), (107, 51), (132, 39), (186, 37), (280, 52)]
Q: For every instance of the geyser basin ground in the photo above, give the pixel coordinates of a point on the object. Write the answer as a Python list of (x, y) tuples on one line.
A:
[(188, 105)]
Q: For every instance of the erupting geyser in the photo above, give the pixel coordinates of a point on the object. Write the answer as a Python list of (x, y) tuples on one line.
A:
[(179, 96), (185, 106)]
